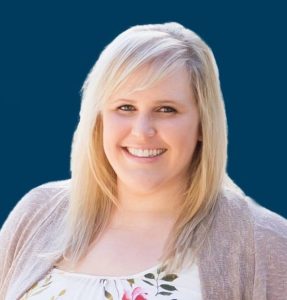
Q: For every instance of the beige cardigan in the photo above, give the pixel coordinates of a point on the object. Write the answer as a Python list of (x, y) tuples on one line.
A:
[(244, 257)]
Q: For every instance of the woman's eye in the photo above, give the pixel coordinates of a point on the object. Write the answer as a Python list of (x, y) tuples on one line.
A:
[(164, 109), (125, 107), (167, 109)]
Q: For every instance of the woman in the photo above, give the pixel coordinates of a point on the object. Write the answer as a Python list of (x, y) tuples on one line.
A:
[(149, 212)]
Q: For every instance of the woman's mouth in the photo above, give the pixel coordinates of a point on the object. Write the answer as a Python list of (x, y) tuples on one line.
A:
[(145, 152), (144, 155)]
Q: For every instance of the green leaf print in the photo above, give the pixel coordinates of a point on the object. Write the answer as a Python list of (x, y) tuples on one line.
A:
[(169, 277), (131, 282), (155, 279), (108, 295), (148, 282), (62, 293), (149, 276), (168, 287), (165, 293)]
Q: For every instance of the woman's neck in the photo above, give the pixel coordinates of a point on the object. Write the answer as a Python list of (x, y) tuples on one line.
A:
[(146, 210)]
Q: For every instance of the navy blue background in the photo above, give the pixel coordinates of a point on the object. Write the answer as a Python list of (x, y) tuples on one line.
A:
[(48, 49)]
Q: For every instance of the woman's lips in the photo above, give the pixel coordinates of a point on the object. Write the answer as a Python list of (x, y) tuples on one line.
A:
[(142, 159)]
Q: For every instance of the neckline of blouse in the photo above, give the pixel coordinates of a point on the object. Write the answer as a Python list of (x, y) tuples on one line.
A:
[(111, 277)]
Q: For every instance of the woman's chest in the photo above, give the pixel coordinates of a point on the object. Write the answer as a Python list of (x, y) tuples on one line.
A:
[(119, 253)]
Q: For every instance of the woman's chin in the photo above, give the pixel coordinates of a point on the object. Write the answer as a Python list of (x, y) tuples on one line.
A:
[(142, 186)]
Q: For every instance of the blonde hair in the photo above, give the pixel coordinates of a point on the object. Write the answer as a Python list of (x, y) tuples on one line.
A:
[(164, 47)]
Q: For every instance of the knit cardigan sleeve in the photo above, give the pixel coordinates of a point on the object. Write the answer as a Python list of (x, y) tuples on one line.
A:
[(19, 235), (13, 234), (270, 242)]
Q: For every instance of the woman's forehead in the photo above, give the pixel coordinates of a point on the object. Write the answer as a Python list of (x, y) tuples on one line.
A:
[(148, 77), (174, 87)]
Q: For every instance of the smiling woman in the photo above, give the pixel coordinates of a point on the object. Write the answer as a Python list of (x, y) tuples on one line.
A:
[(147, 135), (149, 212)]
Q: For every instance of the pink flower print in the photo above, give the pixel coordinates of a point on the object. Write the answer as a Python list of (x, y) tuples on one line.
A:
[(137, 294)]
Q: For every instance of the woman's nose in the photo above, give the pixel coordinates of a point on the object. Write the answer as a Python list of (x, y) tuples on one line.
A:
[(143, 126)]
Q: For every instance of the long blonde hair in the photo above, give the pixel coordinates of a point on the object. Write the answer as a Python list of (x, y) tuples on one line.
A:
[(93, 184)]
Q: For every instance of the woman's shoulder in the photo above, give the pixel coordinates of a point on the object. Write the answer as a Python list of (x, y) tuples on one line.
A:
[(43, 196), (31, 226), (40, 204), (270, 228), (242, 208), (270, 248), (52, 187)]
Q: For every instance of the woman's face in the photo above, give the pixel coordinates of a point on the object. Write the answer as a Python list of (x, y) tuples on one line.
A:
[(149, 136)]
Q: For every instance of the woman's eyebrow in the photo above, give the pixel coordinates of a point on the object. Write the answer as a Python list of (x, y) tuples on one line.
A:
[(159, 101)]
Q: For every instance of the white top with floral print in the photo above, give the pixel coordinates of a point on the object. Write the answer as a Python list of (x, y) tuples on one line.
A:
[(153, 283)]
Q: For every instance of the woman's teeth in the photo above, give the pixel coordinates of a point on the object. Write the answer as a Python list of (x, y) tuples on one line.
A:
[(145, 152)]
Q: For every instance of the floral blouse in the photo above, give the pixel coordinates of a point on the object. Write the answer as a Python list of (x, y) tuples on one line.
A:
[(153, 283)]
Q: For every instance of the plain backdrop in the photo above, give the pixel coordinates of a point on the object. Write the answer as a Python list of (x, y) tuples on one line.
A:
[(48, 48)]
